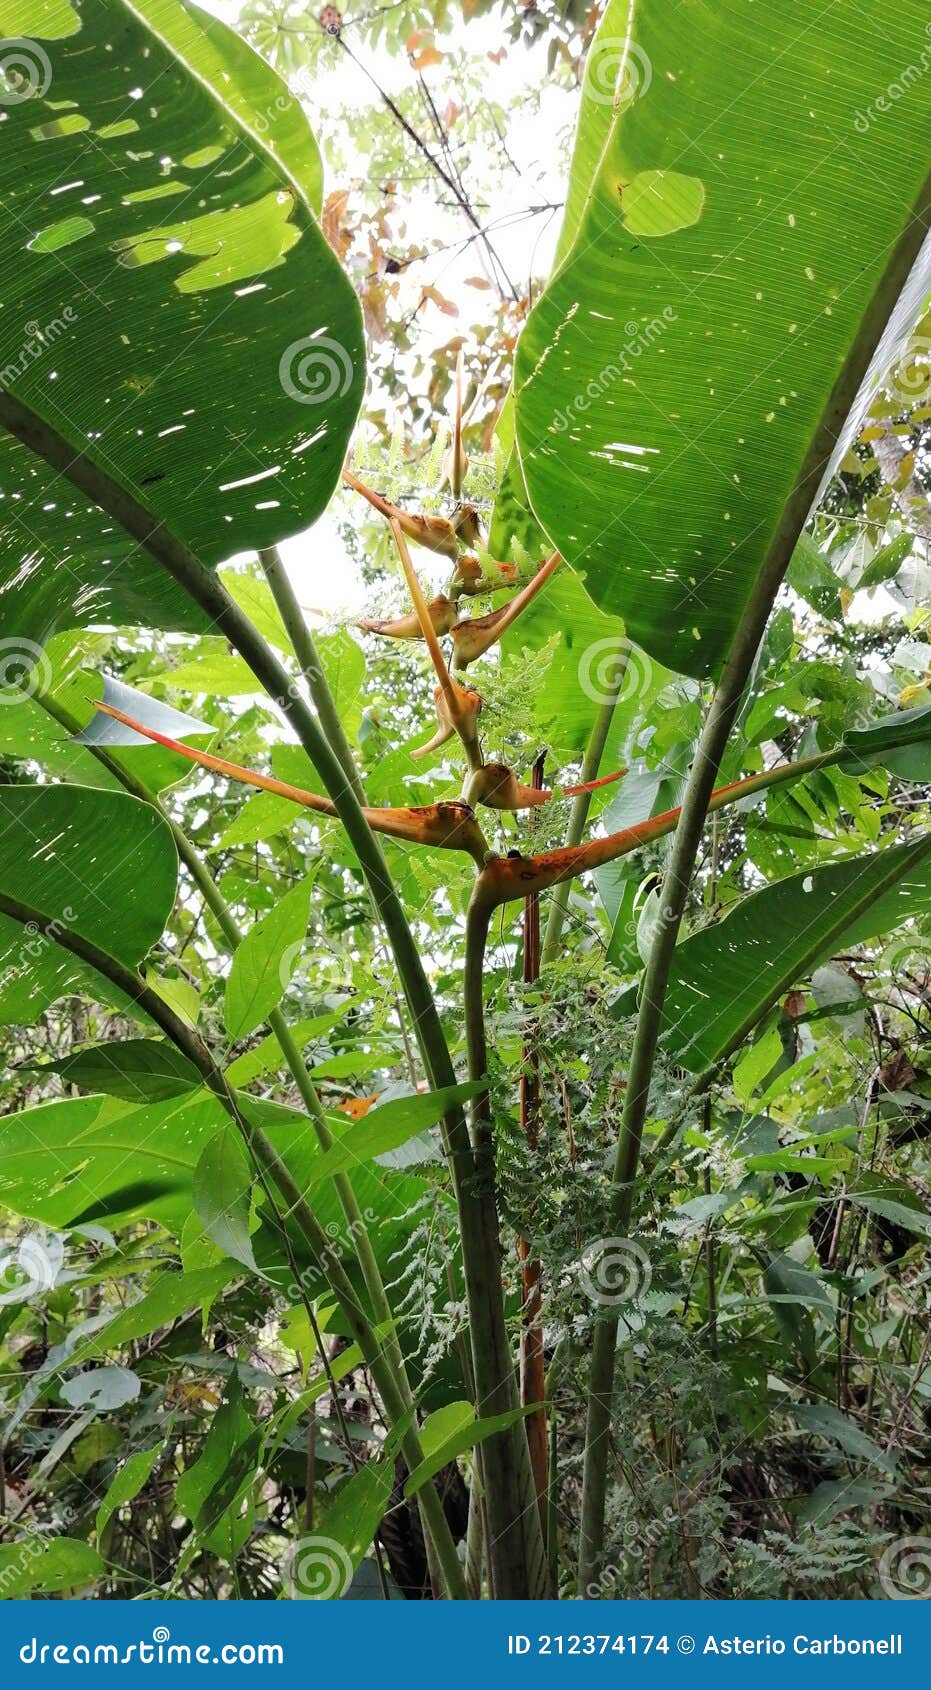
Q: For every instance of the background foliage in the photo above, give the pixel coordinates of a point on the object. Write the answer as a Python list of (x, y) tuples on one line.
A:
[(182, 1403)]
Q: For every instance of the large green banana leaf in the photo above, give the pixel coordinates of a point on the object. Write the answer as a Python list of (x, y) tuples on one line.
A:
[(157, 195), (97, 1159), (734, 198), (725, 978), (99, 863)]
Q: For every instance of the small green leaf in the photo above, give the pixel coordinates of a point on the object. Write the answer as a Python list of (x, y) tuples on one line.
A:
[(267, 1057), (358, 1506), (47, 1564), (386, 1128), (225, 1529), (142, 1070), (127, 1483), (888, 561), (265, 961), (223, 1195), (451, 1431), (102, 1388), (828, 1422)]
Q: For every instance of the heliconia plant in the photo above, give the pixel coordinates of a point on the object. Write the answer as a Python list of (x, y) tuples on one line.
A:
[(663, 508)]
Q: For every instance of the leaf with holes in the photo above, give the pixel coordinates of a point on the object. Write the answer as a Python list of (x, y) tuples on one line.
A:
[(159, 192), (671, 380)]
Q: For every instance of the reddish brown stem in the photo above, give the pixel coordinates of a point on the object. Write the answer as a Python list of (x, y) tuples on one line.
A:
[(532, 1368), (452, 826)]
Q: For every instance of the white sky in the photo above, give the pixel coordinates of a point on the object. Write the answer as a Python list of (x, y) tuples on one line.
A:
[(324, 575)]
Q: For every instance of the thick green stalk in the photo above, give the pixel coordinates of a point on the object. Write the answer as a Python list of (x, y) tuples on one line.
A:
[(349, 1203), (305, 650), (506, 1396), (711, 748), (578, 815), (516, 1542)]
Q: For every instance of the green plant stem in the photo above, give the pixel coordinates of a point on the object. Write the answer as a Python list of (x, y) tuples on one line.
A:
[(305, 650), (349, 1203), (506, 1396), (515, 1536), (578, 815), (677, 880), (298, 1209)]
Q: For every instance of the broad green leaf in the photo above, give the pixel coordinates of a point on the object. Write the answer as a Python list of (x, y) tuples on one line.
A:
[(899, 742), (253, 595), (719, 254), (197, 1247), (194, 251), (100, 863), (91, 1159), (168, 1298), (450, 1431), (727, 976), (756, 1063), (319, 1568), (893, 1200), (230, 1489), (267, 1057), (140, 1070), (179, 994), (791, 1311), (888, 561), (786, 1281), (385, 1128), (265, 961), (839, 1496), (46, 1564), (102, 1388), (262, 816), (126, 1483), (392, 1202), (810, 575), (214, 673), (223, 1182)]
